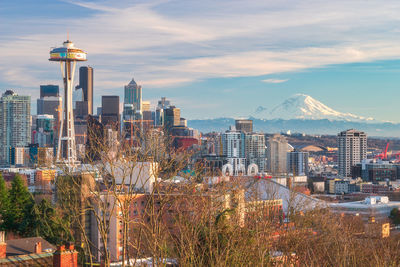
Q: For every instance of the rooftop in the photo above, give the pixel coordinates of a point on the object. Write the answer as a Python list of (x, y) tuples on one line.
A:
[(25, 246), (371, 202)]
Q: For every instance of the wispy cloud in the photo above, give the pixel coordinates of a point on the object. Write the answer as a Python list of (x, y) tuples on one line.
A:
[(274, 80), (166, 43)]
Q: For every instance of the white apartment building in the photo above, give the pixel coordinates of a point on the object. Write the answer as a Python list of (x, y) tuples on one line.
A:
[(255, 150), (352, 149)]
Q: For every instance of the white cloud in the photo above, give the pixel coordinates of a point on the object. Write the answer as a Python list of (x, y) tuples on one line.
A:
[(274, 80)]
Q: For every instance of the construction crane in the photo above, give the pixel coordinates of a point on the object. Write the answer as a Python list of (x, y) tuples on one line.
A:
[(383, 155)]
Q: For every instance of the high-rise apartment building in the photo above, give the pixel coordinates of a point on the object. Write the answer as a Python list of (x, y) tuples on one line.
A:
[(245, 126), (352, 149), (15, 123), (297, 162), (277, 149), (233, 144), (110, 110), (233, 148), (255, 150)]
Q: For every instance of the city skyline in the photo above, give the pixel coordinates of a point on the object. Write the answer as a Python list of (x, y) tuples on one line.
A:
[(244, 55)]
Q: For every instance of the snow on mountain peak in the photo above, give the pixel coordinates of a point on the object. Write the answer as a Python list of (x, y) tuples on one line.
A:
[(301, 106)]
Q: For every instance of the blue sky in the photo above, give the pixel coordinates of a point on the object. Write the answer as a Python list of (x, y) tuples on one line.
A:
[(215, 58)]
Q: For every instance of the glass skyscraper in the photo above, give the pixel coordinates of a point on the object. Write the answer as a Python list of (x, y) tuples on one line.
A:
[(133, 96)]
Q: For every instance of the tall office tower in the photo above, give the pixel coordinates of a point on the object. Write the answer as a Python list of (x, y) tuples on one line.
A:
[(159, 117), (255, 150), (172, 117), (133, 95), (128, 113), (67, 56), (183, 122), (15, 123), (146, 105), (245, 126), (297, 162), (277, 149), (146, 111), (86, 84), (44, 131), (163, 103), (50, 102), (110, 111), (352, 146), (49, 90), (159, 114), (233, 148)]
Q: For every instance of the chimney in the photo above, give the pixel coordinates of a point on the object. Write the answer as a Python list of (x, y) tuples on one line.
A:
[(65, 256), (38, 247), (3, 245), (70, 246)]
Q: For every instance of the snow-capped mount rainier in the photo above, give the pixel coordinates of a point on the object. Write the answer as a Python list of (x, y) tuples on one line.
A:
[(303, 114), (301, 106)]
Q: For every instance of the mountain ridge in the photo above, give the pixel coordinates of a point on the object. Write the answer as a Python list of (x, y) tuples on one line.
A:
[(303, 114), (322, 126)]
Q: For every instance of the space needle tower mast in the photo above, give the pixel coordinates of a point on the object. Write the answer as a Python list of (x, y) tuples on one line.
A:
[(67, 55)]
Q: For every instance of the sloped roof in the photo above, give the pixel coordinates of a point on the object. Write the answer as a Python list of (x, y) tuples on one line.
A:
[(269, 190), (25, 246)]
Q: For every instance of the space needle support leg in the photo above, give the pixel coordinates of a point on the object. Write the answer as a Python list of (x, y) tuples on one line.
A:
[(73, 145), (60, 130), (70, 133)]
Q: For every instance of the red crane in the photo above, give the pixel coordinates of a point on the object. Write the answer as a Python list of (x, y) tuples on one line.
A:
[(384, 154)]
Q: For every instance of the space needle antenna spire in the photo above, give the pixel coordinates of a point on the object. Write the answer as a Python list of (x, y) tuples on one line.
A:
[(67, 55)]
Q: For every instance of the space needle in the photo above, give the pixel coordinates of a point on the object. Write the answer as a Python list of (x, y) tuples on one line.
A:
[(67, 55)]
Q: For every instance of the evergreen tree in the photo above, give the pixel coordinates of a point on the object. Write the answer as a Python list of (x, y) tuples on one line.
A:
[(43, 220), (21, 205), (4, 203)]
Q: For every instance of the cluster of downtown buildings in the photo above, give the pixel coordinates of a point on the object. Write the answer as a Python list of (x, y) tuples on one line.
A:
[(32, 140), (241, 151)]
